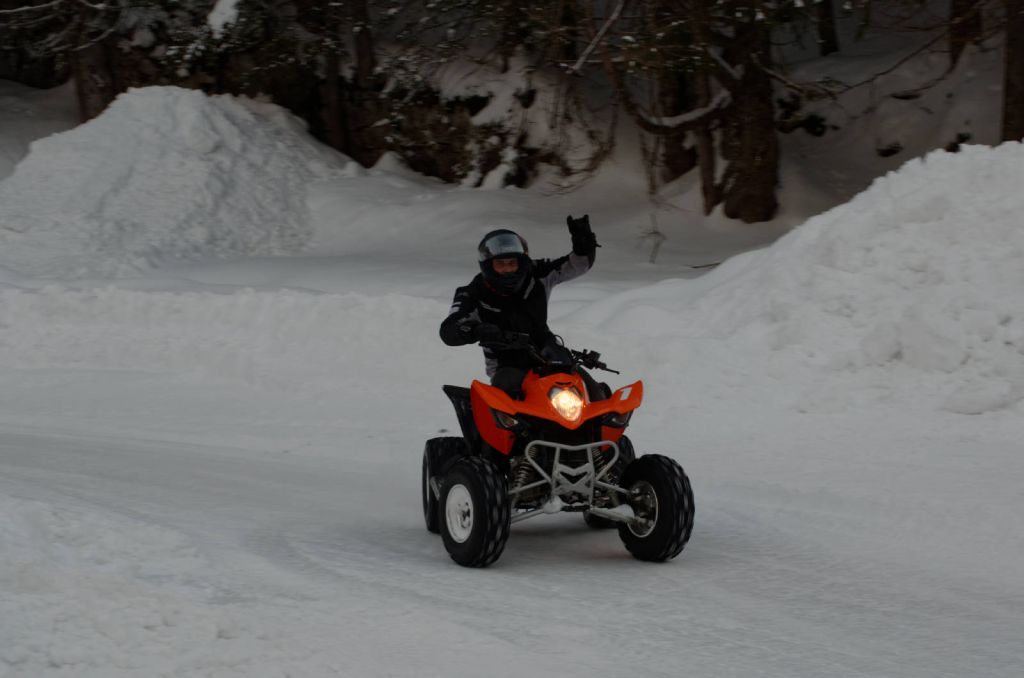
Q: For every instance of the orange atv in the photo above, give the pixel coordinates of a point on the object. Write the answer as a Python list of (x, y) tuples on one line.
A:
[(555, 450)]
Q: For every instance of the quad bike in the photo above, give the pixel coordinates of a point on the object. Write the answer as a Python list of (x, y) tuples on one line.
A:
[(555, 450)]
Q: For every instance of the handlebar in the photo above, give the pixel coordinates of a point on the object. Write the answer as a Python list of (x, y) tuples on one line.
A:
[(521, 341), (511, 341), (592, 360)]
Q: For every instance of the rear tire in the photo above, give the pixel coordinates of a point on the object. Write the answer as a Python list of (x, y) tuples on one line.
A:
[(659, 491), (626, 457), (474, 513), (438, 454)]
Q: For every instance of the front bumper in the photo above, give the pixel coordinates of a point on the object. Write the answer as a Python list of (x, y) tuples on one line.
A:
[(570, 483)]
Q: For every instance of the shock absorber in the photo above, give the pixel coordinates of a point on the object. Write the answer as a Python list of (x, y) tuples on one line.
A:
[(525, 473), (601, 460), (603, 469)]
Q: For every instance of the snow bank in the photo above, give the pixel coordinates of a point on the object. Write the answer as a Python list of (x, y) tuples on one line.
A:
[(924, 269), (164, 174)]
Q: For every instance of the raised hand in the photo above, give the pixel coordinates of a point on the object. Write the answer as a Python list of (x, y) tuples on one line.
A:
[(583, 239)]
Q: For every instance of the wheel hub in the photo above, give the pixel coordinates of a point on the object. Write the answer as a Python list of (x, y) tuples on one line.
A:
[(644, 502), (458, 512)]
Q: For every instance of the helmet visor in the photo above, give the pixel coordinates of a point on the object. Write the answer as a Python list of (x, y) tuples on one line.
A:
[(501, 244)]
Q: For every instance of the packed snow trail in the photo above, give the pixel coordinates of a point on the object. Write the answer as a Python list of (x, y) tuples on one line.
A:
[(226, 560)]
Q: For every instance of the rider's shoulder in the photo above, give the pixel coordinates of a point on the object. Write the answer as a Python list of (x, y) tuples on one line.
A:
[(474, 288)]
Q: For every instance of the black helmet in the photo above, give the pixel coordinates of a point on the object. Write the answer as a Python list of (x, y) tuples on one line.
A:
[(504, 244)]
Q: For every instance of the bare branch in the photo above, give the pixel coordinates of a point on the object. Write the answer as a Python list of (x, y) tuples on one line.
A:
[(597, 38), (725, 73), (55, 42), (97, 39), (102, 7), (920, 50), (811, 90)]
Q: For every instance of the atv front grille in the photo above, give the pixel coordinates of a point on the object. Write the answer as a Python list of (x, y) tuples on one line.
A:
[(550, 477)]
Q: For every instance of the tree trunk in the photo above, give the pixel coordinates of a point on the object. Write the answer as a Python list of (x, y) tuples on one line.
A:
[(753, 152), (95, 80), (866, 8), (828, 41), (674, 98), (706, 157), (359, 105), (964, 27), (707, 154), (366, 58), (1013, 77), (569, 23), (332, 102)]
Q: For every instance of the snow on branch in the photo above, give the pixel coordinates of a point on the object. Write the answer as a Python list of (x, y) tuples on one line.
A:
[(101, 7), (31, 8), (722, 99), (100, 38), (71, 26), (98, 7)]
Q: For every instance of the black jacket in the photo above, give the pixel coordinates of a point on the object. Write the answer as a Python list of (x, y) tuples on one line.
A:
[(526, 311)]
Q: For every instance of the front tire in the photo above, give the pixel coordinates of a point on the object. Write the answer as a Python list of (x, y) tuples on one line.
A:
[(473, 512), (661, 496), (438, 454)]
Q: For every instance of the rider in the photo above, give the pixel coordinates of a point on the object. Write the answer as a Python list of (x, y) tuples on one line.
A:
[(511, 295)]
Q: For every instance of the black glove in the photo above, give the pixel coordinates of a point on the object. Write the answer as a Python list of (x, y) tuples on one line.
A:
[(583, 239), (488, 333)]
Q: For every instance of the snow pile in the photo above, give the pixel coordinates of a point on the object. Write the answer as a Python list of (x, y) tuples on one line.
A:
[(163, 174), (924, 269)]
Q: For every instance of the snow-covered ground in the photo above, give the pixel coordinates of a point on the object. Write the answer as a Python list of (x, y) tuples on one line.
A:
[(210, 467)]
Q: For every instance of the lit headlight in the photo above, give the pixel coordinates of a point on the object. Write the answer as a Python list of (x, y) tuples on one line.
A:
[(567, 402)]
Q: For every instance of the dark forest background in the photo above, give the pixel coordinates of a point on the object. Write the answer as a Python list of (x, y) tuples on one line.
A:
[(707, 80)]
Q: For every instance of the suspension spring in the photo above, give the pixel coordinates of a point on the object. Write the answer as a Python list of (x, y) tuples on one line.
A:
[(525, 472), (602, 460)]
